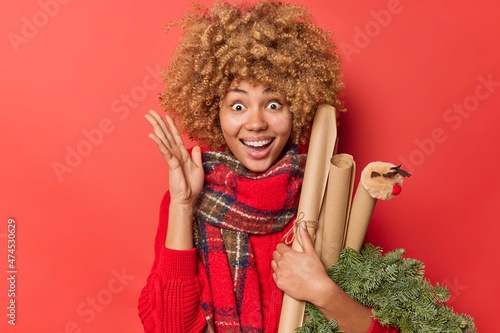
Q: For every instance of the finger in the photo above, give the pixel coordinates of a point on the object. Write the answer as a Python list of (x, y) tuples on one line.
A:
[(282, 248), (173, 129), (156, 126), (177, 140), (158, 131), (274, 265), (164, 150), (164, 132), (174, 138), (196, 153), (276, 255), (307, 244)]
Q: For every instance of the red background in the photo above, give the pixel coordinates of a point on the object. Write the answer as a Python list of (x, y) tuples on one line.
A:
[(77, 77)]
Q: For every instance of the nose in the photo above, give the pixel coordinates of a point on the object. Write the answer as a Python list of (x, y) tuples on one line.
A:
[(255, 120), (396, 189)]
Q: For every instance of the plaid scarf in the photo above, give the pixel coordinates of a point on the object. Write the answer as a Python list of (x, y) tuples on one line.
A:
[(236, 202)]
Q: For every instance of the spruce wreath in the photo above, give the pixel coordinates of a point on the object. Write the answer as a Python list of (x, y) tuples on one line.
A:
[(396, 290)]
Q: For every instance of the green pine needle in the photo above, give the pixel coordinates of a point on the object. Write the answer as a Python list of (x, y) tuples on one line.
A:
[(395, 289)]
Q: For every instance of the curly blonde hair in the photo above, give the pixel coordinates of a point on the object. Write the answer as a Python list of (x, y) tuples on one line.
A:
[(272, 43)]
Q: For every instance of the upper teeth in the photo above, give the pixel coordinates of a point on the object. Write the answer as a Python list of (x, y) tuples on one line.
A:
[(257, 143)]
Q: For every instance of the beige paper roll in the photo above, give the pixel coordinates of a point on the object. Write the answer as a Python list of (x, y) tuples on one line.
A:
[(321, 220), (361, 213), (318, 241), (338, 194), (321, 146)]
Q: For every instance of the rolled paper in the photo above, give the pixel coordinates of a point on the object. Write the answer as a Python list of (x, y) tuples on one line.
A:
[(361, 213), (379, 180), (337, 206), (321, 220), (321, 146), (318, 239)]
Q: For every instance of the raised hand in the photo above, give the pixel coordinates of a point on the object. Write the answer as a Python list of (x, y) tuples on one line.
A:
[(185, 172)]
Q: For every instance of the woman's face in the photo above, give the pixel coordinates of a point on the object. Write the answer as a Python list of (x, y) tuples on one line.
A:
[(256, 123)]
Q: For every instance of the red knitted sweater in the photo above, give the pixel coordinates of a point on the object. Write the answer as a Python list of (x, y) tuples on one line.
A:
[(170, 301)]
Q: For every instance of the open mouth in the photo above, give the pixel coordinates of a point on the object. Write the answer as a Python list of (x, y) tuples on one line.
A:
[(257, 148)]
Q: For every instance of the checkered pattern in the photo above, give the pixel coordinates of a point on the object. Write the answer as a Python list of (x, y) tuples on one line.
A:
[(237, 202)]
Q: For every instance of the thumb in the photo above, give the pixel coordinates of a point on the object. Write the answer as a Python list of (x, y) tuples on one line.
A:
[(305, 238)]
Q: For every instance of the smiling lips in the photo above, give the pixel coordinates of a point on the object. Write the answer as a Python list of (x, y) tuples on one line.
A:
[(258, 148), (257, 144)]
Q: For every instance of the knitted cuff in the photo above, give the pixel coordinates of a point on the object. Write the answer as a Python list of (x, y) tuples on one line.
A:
[(179, 265), (378, 328)]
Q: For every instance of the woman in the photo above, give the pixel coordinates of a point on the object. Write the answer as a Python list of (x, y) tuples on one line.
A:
[(245, 83)]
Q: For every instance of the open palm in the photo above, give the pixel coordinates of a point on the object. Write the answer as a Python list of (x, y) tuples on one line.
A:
[(185, 172)]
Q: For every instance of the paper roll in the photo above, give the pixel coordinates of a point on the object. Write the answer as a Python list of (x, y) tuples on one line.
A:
[(337, 206), (321, 146), (318, 239), (361, 213)]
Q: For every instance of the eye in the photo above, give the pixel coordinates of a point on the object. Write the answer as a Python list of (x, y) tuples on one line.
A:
[(237, 107), (274, 105)]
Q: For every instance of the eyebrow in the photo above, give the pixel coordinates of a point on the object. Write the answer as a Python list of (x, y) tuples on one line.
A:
[(241, 91)]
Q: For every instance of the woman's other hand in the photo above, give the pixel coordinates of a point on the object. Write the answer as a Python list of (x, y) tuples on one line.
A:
[(300, 275)]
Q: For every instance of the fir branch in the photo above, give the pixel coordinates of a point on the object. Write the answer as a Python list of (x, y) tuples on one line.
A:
[(396, 290)]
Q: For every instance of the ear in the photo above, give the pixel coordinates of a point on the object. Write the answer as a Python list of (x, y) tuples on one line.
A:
[(374, 174), (404, 173)]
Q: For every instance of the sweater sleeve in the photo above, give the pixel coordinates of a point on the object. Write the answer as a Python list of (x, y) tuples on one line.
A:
[(170, 301), (378, 328)]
